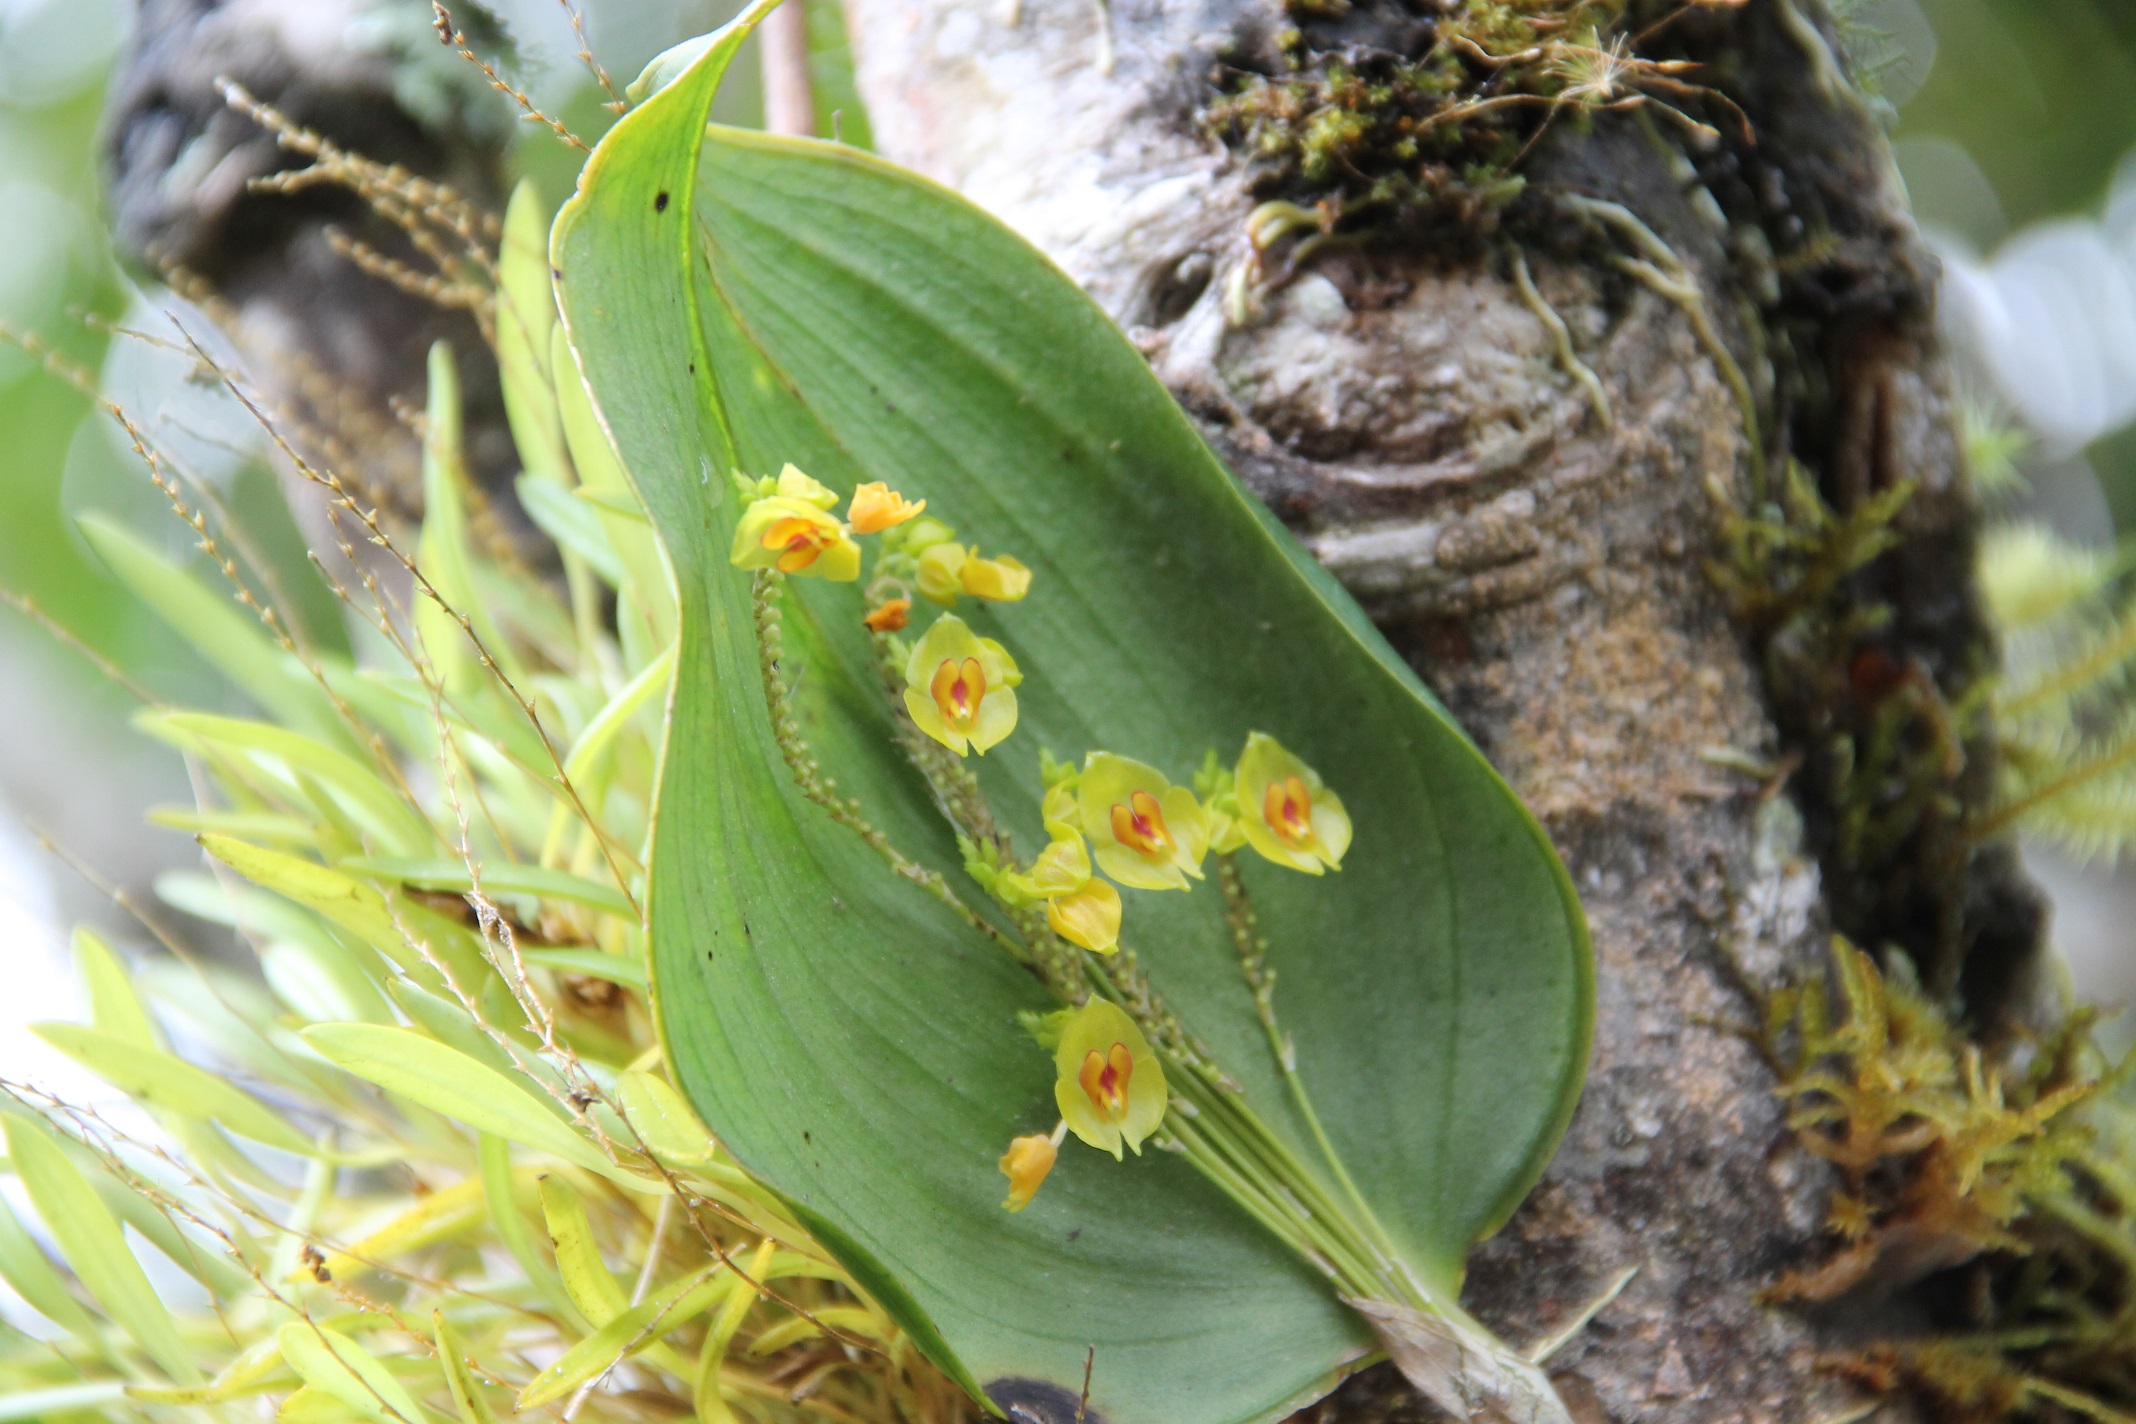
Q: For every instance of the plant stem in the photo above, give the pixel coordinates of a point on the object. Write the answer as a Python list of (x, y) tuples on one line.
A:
[(822, 790), (1253, 964), (1209, 1119)]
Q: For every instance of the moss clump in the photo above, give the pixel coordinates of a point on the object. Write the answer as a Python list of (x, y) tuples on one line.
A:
[(1881, 746), (1384, 112), (1994, 1177)]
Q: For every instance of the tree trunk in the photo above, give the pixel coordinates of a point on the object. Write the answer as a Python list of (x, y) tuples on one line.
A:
[(1407, 408)]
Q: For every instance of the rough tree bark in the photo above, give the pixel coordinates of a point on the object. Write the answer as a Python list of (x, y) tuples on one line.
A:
[(1405, 410)]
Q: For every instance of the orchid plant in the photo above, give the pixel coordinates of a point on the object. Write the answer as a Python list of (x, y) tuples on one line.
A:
[(1113, 1039)]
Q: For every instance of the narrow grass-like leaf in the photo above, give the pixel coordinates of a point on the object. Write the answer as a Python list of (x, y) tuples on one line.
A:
[(24, 1267), (162, 1080), (526, 314), (626, 970), (467, 1397), (442, 548), (312, 1405), (360, 910), (60, 1400), (345, 1371), (257, 1369), (94, 1246), (212, 623), (441, 1215), (500, 1194), (635, 1328), (355, 788), (600, 733), (574, 524), (446, 1081), (712, 1356), (504, 878), (578, 1257), (113, 1006), (664, 1119)]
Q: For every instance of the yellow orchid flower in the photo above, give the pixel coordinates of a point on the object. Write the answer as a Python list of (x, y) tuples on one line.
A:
[(795, 537), (960, 688), (877, 507), (1026, 1164), (792, 484), (948, 569), (788, 526), (1088, 915), (999, 580), (941, 572), (1145, 831), (1061, 869), (1058, 811), (1108, 1081), (1287, 812), (917, 537), (1082, 909)]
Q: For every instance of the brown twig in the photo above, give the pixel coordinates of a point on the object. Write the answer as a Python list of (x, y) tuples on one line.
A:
[(449, 35)]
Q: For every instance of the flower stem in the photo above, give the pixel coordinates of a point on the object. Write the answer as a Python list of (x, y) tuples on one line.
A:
[(1253, 964), (766, 592)]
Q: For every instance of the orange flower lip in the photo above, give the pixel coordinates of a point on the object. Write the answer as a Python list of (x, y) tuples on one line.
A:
[(1104, 1080), (1139, 825), (801, 541), (1287, 806), (958, 689)]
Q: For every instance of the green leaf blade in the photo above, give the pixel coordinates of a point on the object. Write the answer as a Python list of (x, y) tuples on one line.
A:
[(90, 1238), (867, 325)]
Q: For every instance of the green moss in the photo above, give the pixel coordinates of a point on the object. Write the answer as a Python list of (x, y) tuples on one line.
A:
[(1880, 745), (1375, 116), (1995, 1173)]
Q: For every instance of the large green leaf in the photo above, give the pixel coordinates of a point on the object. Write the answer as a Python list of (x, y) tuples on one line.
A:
[(739, 301)]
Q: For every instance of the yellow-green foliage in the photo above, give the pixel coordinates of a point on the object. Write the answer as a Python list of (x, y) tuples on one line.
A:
[(2001, 1171), (425, 1163), (2067, 615), (1382, 135), (1992, 452), (1883, 745)]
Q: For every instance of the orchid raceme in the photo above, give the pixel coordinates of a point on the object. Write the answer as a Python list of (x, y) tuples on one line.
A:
[(1109, 1082), (1286, 812), (1026, 1164), (1145, 832), (960, 688)]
